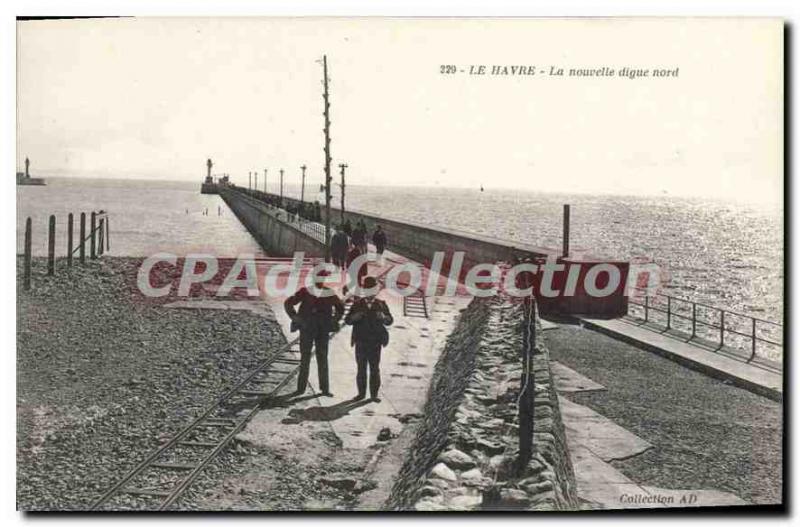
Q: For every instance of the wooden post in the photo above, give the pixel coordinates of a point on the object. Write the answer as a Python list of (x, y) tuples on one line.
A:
[(108, 234), (255, 181), (92, 234), (51, 246), (69, 239), (565, 250), (303, 185), (327, 129), (82, 245), (342, 166), (27, 257), (281, 202), (669, 312), (101, 236), (265, 181)]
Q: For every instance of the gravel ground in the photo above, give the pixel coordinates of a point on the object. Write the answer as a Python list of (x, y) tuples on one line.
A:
[(103, 377), (706, 434), (256, 478)]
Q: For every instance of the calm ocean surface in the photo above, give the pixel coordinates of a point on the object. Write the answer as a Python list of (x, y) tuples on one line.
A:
[(726, 254)]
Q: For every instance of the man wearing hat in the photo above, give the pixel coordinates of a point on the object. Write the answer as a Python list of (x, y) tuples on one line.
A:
[(369, 317), (317, 317)]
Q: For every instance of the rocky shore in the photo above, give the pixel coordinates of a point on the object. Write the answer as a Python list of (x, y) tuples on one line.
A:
[(103, 377)]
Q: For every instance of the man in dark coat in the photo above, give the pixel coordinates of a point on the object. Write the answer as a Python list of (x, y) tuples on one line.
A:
[(359, 238), (317, 317), (369, 317), (339, 247), (379, 239), (362, 228)]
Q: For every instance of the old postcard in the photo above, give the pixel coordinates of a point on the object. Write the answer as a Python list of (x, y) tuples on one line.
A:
[(376, 264)]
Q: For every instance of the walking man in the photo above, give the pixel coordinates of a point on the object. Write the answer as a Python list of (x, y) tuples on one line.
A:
[(362, 228), (359, 238), (339, 246), (369, 317), (318, 316), (379, 239)]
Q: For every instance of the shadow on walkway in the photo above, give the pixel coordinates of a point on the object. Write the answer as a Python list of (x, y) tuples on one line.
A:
[(323, 413), (287, 400)]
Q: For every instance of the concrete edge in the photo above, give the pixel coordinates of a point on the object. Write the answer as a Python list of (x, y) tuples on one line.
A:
[(705, 369)]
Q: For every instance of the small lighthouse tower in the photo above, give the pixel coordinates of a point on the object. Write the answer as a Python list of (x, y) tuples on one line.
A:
[(208, 186)]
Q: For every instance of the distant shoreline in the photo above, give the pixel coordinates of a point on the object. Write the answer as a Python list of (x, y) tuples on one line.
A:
[(241, 180)]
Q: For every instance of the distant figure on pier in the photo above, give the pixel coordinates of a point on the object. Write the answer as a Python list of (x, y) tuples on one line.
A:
[(316, 318), (339, 246), (369, 317), (317, 212), (347, 227), (359, 237), (379, 239)]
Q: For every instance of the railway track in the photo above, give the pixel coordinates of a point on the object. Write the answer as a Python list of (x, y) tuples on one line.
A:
[(165, 474)]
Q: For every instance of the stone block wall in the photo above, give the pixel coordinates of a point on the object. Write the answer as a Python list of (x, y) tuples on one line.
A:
[(471, 461), (448, 383), (278, 238)]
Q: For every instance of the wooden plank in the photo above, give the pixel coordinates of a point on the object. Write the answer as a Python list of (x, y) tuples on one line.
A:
[(27, 258), (51, 246)]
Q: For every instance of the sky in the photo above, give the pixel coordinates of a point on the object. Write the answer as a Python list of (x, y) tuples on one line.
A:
[(155, 97)]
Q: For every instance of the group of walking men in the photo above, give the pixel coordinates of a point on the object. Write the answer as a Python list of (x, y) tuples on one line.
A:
[(349, 243)]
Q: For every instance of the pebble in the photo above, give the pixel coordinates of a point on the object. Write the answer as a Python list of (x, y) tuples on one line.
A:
[(465, 502), (514, 498), (457, 459), (442, 471)]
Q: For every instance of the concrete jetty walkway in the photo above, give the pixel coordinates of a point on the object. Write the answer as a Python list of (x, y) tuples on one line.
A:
[(595, 442), (406, 364), (758, 376)]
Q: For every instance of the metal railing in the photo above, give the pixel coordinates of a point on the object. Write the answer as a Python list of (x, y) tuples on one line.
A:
[(312, 228), (677, 309)]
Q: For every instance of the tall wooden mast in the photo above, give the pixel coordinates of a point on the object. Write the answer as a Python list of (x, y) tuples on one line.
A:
[(327, 160)]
